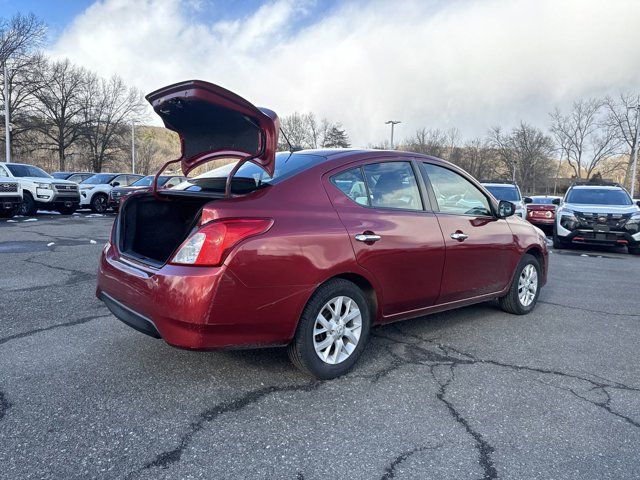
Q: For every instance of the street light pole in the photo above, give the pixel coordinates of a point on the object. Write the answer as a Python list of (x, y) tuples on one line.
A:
[(7, 119), (392, 123), (634, 169), (133, 148)]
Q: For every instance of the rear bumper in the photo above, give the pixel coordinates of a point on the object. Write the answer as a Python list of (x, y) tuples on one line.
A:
[(545, 222), (197, 308)]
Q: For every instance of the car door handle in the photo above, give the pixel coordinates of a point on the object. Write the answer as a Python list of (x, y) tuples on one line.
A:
[(461, 237), (367, 237)]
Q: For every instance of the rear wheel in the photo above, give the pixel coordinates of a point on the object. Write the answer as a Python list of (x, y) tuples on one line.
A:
[(333, 330), (634, 250), (99, 203), (525, 287), (28, 206)]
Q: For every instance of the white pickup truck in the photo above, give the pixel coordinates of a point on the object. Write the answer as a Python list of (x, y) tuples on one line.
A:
[(10, 197), (41, 190)]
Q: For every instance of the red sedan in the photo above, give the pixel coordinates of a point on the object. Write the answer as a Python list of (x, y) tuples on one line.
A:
[(541, 211), (307, 249)]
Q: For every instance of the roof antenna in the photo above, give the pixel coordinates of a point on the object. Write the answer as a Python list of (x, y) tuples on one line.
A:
[(291, 147)]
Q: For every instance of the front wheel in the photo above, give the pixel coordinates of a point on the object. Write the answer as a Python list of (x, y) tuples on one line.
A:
[(8, 213), (67, 210), (525, 287), (99, 203), (28, 206), (557, 241), (333, 330)]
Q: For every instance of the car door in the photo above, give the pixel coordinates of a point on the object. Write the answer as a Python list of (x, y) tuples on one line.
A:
[(393, 235), (480, 251)]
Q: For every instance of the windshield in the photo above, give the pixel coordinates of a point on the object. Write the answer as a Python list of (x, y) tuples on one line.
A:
[(599, 196), (504, 192), (60, 175), (148, 180), (99, 179), (542, 200), (249, 176), (27, 171)]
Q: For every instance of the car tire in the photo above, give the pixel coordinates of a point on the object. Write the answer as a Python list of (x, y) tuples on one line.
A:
[(28, 206), (9, 213), (520, 299), (557, 242), (306, 348), (99, 203), (634, 250), (67, 210)]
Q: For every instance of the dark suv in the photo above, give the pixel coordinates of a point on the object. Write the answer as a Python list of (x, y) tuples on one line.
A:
[(599, 214)]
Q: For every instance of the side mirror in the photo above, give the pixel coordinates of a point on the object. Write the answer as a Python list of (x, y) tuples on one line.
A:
[(506, 209), (556, 201), (528, 200), (638, 203), (115, 184)]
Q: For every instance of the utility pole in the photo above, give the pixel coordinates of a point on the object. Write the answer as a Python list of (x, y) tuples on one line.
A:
[(7, 119), (133, 147), (392, 123), (634, 151)]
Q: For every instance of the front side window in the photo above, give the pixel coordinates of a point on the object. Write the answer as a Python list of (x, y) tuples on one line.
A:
[(455, 194), (122, 180), (392, 185), (3, 172)]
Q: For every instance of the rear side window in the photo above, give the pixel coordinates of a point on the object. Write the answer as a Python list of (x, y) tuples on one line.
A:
[(351, 183), (392, 185)]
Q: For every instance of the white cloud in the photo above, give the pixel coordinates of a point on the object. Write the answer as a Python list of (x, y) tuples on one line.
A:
[(470, 64)]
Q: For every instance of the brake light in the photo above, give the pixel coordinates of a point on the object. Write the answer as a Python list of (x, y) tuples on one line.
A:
[(210, 244)]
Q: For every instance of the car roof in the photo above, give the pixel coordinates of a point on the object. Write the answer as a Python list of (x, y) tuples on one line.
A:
[(495, 184), (599, 187)]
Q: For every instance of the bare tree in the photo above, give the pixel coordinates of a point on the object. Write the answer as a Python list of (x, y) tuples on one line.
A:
[(59, 106), (305, 131), (428, 142), (108, 108), (478, 159), (525, 153), (622, 118), (24, 81), (20, 34), (586, 136)]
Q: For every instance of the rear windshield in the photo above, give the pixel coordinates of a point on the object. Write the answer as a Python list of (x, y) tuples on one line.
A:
[(504, 192), (148, 180), (250, 176), (99, 179), (599, 196), (542, 201), (27, 171), (61, 175)]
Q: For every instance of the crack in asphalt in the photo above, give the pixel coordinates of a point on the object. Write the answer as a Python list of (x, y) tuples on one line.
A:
[(76, 277), (78, 321), (4, 405), (169, 457), (583, 309), (390, 470)]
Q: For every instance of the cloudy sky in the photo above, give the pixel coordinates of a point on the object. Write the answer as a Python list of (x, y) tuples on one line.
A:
[(470, 64)]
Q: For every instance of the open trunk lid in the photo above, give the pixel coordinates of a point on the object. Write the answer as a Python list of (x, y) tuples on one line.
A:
[(213, 122)]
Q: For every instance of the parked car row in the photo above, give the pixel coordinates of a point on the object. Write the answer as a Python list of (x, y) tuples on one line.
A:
[(25, 189)]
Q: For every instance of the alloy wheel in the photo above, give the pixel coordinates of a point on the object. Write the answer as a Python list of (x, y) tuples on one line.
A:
[(100, 204), (528, 285), (337, 330)]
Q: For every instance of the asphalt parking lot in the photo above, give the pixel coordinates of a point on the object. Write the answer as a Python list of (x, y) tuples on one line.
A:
[(469, 394)]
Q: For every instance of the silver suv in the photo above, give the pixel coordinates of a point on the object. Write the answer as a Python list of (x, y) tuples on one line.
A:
[(597, 214)]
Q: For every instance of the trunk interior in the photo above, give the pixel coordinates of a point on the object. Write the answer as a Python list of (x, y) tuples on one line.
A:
[(150, 229)]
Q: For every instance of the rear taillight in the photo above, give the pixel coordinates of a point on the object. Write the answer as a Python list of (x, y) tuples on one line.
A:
[(211, 243)]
